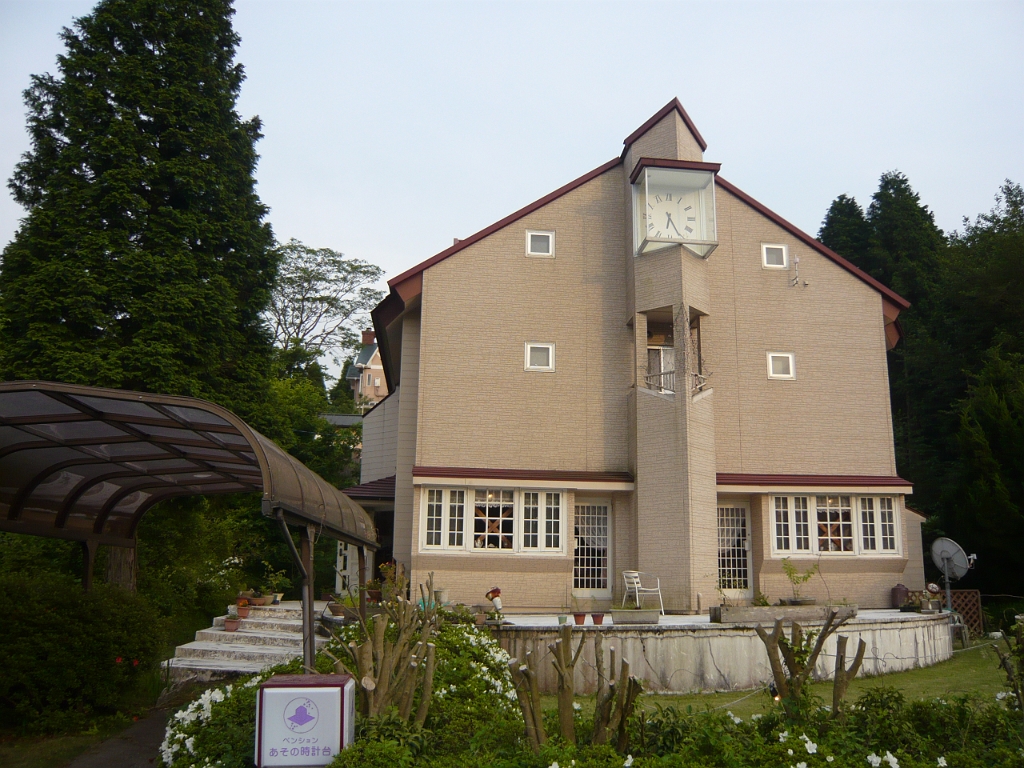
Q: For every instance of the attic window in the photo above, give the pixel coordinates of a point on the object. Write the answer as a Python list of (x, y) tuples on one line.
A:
[(781, 365), (774, 256), (540, 357), (540, 243)]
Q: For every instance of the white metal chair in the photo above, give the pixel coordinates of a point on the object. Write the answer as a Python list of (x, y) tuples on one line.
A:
[(635, 587)]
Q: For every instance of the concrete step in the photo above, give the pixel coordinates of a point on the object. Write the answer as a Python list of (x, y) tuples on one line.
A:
[(290, 640), (266, 654), (293, 626), (270, 612), (206, 670)]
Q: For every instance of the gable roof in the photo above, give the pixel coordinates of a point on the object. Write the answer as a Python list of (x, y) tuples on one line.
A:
[(672, 106), (510, 219), (366, 354), (828, 253)]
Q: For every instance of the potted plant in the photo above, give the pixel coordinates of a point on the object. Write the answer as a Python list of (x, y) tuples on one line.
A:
[(277, 583), (373, 591), (798, 578), (231, 623), (634, 614), (598, 618), (578, 615), (243, 609)]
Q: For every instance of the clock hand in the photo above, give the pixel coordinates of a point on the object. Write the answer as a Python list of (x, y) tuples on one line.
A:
[(672, 224)]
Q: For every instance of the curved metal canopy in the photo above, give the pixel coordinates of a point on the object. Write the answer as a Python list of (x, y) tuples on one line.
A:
[(86, 463)]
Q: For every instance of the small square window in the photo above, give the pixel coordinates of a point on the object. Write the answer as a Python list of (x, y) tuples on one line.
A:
[(781, 365), (540, 357), (540, 243), (376, 381), (774, 256)]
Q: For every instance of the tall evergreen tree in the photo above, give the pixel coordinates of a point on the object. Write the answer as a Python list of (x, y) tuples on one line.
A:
[(846, 230), (143, 261)]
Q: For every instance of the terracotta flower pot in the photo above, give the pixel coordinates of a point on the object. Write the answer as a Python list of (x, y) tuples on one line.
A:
[(598, 618), (243, 611), (231, 624), (579, 618), (336, 609), (373, 595)]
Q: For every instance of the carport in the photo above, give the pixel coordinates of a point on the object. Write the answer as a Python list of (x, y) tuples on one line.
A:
[(86, 463)]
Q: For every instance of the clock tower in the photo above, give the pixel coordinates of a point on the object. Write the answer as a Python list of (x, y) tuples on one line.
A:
[(673, 235)]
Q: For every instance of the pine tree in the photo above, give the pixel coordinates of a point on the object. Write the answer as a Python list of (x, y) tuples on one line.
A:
[(143, 261), (846, 230)]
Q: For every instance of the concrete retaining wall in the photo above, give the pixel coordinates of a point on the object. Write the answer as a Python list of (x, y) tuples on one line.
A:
[(718, 657)]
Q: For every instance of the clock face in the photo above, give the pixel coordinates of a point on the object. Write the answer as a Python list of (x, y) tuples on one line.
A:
[(671, 214)]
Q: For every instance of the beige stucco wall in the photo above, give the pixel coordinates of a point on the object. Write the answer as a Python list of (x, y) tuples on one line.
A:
[(481, 306), (835, 417), (380, 440)]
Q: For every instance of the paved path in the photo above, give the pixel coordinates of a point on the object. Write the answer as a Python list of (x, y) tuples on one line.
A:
[(135, 747)]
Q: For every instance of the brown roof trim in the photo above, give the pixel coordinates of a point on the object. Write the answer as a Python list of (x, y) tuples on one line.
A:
[(916, 512), (383, 315), (808, 240), (523, 474), (422, 266), (661, 162), (727, 478), (657, 118)]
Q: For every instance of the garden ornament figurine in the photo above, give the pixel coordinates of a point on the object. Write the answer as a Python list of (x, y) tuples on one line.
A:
[(494, 595)]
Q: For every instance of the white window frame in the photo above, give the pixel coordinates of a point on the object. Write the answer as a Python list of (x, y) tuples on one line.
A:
[(551, 241), (878, 503), (792, 365), (544, 369), (764, 256), (449, 542)]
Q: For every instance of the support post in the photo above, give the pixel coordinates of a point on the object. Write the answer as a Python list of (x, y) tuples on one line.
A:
[(88, 561), (306, 538), (305, 572), (362, 582)]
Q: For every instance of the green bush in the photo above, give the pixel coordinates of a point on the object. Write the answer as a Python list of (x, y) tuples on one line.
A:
[(71, 656)]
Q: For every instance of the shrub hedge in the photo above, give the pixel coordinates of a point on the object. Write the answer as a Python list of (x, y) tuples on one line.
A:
[(71, 656)]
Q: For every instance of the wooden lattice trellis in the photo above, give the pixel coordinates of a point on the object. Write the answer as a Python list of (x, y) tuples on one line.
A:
[(967, 602)]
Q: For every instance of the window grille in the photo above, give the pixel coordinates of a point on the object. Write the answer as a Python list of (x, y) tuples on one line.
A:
[(802, 523), (531, 519), (493, 520), (835, 524), (732, 548), (590, 566), (885, 515), (867, 523), (435, 505), (456, 519), (552, 520), (781, 522)]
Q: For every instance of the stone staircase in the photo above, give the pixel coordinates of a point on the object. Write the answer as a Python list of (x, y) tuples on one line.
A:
[(272, 634)]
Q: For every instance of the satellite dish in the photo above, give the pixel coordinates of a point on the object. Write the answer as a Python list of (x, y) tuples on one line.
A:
[(950, 558)]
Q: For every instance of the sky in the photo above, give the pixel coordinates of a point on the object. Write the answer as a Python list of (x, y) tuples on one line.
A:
[(393, 127)]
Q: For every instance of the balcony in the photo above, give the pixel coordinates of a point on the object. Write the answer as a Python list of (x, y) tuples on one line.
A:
[(664, 382)]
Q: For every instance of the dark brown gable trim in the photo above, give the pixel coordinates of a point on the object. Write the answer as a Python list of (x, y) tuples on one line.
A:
[(523, 474), (808, 240), (725, 478), (660, 162), (658, 117), (512, 218)]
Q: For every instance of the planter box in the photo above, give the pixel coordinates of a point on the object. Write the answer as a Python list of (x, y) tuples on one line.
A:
[(767, 614), (635, 616)]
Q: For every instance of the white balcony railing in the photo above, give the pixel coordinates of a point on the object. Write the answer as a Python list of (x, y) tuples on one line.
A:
[(661, 382)]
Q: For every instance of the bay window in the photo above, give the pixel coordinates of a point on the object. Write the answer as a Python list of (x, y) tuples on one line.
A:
[(844, 525), (497, 520)]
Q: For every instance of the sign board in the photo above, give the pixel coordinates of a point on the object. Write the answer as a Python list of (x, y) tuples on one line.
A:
[(304, 720)]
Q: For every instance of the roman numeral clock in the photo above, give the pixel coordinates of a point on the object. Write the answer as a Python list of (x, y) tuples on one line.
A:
[(674, 206)]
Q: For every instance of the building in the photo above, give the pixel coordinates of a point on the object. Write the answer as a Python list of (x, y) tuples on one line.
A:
[(656, 372), (366, 374)]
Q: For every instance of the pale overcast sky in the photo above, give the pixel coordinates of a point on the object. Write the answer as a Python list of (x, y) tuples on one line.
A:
[(392, 127)]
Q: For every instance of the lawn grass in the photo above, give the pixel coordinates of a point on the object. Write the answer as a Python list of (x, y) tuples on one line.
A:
[(972, 671)]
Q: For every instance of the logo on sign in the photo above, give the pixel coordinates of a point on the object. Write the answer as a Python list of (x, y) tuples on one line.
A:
[(301, 715)]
